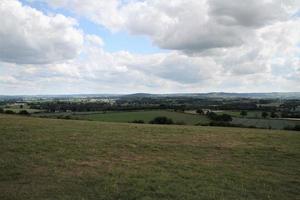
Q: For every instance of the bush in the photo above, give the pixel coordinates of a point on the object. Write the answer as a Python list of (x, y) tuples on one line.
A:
[(290, 128), (273, 115), (64, 117), (244, 113), (220, 118), (9, 112), (225, 118), (161, 120), (138, 121), (200, 112), (264, 114), (1, 110), (24, 112)]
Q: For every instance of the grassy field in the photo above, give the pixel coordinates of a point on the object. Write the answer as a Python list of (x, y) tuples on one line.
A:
[(250, 114), (146, 116), (66, 159), (267, 123), (17, 110)]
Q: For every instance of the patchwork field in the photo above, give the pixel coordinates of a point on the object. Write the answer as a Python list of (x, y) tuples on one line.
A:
[(146, 116), (66, 159)]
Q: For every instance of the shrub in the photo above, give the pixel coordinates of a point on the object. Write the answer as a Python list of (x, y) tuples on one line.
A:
[(161, 120), (225, 118), (138, 121), (221, 118), (63, 117), (1, 110), (24, 112), (264, 114), (290, 128), (274, 115), (200, 112), (244, 113), (9, 112)]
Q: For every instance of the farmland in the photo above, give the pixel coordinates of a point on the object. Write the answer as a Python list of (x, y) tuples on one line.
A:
[(66, 159), (146, 116), (266, 123)]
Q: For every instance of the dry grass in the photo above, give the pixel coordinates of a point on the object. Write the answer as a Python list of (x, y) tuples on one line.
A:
[(58, 159)]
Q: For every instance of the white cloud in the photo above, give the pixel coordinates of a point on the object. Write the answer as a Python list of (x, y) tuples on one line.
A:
[(103, 12), (94, 40), (245, 46), (29, 36), (191, 26)]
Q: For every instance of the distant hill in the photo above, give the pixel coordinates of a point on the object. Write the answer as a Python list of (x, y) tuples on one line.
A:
[(287, 95), (274, 95)]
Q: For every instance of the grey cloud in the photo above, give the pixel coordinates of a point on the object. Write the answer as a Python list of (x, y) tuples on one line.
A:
[(249, 13)]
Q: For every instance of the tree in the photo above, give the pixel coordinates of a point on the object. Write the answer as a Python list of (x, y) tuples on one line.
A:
[(200, 112), (297, 128), (244, 113), (274, 115), (138, 121), (9, 112), (223, 118), (212, 116), (161, 120), (24, 112), (264, 114)]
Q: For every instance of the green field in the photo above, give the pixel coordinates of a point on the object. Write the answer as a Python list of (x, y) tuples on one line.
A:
[(250, 114), (266, 123), (66, 159), (146, 116), (17, 110)]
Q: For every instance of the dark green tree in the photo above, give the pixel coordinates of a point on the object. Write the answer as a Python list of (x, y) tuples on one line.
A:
[(9, 112), (244, 113), (24, 112), (264, 114), (161, 120), (274, 115)]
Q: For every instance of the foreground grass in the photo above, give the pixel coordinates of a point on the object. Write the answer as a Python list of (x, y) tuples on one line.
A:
[(58, 159)]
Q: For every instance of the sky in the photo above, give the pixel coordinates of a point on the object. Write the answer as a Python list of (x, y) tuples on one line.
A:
[(153, 46)]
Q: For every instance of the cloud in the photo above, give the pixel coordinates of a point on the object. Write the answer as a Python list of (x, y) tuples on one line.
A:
[(27, 36), (247, 13), (191, 26), (103, 12), (246, 46)]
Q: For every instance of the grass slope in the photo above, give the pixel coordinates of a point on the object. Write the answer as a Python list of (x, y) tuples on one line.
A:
[(59, 159)]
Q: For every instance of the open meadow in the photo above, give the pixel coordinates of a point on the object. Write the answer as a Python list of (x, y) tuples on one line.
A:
[(73, 159), (130, 116)]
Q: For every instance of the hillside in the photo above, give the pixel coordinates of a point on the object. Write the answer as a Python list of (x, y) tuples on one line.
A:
[(65, 159)]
